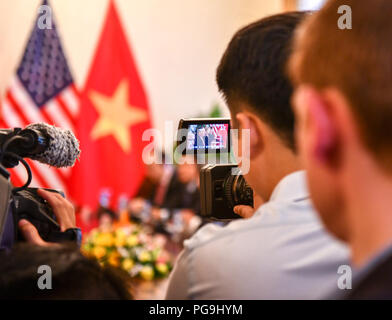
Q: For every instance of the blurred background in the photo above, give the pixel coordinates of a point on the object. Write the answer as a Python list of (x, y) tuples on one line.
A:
[(177, 44)]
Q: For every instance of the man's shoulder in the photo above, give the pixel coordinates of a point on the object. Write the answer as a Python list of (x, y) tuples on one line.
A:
[(269, 216), (212, 232), (284, 242), (376, 283)]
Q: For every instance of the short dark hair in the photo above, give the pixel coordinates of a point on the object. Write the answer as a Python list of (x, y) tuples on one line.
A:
[(252, 70), (104, 210), (73, 275)]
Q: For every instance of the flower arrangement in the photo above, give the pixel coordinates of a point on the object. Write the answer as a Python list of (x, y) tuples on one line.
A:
[(131, 249)]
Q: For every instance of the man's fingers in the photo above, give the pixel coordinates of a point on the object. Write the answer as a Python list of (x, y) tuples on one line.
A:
[(30, 233), (244, 211), (51, 197), (62, 208), (50, 194)]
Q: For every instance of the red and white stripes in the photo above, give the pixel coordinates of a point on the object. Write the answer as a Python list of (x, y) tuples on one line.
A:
[(19, 110)]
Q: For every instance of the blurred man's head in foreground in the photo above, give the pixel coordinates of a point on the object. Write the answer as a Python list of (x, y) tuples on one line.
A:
[(343, 104), (58, 272)]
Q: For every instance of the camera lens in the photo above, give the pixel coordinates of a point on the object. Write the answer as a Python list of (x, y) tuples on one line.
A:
[(237, 191)]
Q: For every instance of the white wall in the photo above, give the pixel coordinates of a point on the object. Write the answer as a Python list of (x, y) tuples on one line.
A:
[(310, 4), (177, 43)]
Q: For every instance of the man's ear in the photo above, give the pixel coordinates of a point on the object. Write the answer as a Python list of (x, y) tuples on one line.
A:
[(248, 121), (317, 124)]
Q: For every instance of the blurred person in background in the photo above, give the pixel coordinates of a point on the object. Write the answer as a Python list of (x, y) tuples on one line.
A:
[(107, 219), (282, 251), (169, 197), (343, 103), (184, 208), (156, 190)]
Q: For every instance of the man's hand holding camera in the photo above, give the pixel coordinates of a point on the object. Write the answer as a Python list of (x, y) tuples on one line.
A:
[(248, 211), (63, 210)]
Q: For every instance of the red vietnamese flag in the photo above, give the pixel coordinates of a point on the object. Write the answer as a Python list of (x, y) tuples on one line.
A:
[(114, 114)]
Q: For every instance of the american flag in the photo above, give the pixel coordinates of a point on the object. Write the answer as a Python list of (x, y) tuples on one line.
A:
[(42, 90)]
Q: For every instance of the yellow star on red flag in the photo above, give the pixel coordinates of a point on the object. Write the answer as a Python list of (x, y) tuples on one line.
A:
[(116, 115)]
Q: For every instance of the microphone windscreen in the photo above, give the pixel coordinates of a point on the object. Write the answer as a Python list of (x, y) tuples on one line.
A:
[(63, 147)]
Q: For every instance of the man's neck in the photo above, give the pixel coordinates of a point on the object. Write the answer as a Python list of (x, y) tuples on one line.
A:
[(369, 212), (281, 166)]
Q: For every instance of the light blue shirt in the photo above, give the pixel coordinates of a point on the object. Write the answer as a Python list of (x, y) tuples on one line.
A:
[(282, 252)]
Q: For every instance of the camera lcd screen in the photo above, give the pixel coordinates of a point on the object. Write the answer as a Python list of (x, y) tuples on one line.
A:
[(212, 136), (204, 135)]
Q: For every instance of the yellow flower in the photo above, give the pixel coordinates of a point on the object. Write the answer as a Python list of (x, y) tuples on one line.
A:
[(120, 239), (86, 250), (128, 264), (132, 240), (93, 234), (147, 273), (120, 233), (144, 256), (99, 252), (105, 239), (114, 259), (162, 268)]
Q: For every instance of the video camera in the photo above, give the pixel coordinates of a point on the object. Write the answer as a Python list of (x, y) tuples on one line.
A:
[(222, 187), (49, 145)]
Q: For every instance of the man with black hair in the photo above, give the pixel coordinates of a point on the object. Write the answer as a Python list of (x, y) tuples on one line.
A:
[(282, 250)]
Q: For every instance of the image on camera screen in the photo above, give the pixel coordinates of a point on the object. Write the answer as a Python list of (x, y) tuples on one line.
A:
[(207, 136)]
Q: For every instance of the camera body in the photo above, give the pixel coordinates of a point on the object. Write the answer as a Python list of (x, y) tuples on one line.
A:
[(27, 204), (222, 186), (18, 203), (221, 189)]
